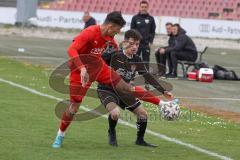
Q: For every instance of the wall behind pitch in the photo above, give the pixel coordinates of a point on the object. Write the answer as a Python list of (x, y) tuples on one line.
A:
[(66, 19)]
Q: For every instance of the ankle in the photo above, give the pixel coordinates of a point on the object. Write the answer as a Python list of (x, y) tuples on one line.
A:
[(140, 139), (61, 133), (111, 130)]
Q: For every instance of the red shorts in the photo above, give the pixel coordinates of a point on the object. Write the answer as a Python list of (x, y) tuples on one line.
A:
[(99, 72)]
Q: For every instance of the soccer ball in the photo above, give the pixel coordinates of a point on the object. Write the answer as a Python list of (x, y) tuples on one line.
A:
[(170, 111)]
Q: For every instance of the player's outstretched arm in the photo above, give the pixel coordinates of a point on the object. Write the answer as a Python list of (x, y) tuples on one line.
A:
[(152, 81)]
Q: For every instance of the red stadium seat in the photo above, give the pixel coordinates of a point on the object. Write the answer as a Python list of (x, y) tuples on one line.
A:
[(182, 8)]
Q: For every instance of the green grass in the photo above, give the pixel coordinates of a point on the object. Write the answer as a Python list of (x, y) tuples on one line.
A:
[(28, 126)]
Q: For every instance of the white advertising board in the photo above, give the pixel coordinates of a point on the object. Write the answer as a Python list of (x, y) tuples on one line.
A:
[(8, 15), (68, 19), (211, 28)]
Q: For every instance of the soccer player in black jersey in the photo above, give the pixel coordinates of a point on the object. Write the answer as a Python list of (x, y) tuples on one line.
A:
[(127, 63)]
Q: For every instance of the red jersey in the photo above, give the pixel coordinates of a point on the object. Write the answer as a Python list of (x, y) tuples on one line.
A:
[(89, 41)]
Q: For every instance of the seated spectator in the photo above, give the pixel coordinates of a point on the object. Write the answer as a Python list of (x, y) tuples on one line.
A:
[(183, 49), (88, 20), (161, 57)]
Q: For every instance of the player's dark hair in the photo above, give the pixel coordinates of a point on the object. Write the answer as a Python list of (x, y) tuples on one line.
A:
[(169, 24), (132, 33), (144, 2), (115, 17), (176, 25)]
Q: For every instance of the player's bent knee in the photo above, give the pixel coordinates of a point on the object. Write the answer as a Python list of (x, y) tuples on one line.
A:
[(142, 114), (113, 110), (115, 114)]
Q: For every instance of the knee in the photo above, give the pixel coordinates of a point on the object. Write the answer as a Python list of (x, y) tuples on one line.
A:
[(143, 114), (73, 108), (115, 114)]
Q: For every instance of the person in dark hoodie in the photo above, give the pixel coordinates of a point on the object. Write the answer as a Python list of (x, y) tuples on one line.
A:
[(183, 49), (88, 20), (144, 23), (161, 57)]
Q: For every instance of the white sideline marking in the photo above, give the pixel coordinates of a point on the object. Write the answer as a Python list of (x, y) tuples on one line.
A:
[(233, 67), (211, 98), (162, 136), (35, 57)]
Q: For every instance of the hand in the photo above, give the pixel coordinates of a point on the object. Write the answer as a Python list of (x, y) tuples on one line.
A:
[(162, 51), (168, 95), (84, 76)]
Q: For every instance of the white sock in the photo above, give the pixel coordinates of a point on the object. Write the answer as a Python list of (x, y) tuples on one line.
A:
[(61, 133), (162, 102)]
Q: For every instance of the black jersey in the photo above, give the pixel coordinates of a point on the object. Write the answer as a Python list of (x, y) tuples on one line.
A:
[(127, 68)]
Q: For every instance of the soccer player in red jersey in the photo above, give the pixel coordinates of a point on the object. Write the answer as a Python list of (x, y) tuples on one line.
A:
[(87, 66)]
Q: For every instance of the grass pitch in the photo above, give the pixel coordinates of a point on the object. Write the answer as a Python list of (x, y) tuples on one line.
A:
[(28, 127)]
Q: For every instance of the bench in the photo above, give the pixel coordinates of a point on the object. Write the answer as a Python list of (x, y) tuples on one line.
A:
[(187, 64)]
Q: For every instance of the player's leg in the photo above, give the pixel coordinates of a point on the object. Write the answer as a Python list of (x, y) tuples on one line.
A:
[(150, 97), (66, 120), (109, 76), (141, 123), (114, 114), (134, 105), (137, 92), (110, 102), (76, 97), (77, 93)]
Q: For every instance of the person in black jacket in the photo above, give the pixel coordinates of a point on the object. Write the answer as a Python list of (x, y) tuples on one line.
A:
[(183, 49), (88, 20), (144, 23), (161, 57)]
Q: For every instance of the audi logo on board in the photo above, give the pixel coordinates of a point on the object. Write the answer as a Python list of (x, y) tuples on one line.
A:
[(204, 28)]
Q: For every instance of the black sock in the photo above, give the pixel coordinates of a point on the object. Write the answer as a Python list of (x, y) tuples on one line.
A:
[(112, 123), (141, 128)]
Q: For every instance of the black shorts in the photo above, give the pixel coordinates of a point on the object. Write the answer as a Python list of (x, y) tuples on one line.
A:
[(128, 102)]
